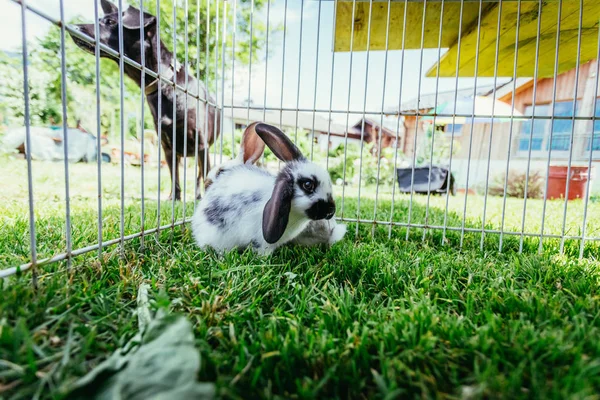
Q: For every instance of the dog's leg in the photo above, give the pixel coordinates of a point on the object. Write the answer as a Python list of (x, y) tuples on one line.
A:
[(202, 156), (175, 188)]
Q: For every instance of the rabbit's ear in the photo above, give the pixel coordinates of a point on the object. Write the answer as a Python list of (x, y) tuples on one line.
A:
[(252, 146), (277, 210), (279, 143)]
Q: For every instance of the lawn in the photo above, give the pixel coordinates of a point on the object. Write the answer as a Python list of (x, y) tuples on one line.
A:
[(371, 317)]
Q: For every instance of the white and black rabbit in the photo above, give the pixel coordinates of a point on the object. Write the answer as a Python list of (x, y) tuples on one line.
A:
[(325, 231), (246, 206), (251, 149)]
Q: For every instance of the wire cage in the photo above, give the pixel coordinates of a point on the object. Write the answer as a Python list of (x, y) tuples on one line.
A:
[(501, 94)]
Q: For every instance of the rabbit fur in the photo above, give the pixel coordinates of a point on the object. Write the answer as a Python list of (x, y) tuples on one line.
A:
[(251, 149), (243, 205)]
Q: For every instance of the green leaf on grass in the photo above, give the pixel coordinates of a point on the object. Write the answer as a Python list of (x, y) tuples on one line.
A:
[(159, 363)]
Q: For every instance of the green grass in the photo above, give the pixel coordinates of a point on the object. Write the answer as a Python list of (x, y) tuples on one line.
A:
[(371, 317)]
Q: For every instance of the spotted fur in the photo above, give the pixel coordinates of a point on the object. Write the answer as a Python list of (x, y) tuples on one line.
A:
[(248, 207)]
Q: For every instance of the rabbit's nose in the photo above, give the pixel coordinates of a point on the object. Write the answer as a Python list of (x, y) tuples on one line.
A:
[(330, 212)]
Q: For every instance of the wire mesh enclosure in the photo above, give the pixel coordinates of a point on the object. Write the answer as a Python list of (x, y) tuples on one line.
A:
[(457, 122)]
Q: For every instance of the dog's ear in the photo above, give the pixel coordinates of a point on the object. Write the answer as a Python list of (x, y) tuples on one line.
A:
[(277, 210), (278, 142), (108, 7), (132, 19), (252, 146)]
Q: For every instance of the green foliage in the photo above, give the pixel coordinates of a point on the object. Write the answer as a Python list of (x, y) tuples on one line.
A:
[(337, 166), (42, 106), (338, 169), (441, 148), (352, 170), (197, 28), (515, 187), (45, 85)]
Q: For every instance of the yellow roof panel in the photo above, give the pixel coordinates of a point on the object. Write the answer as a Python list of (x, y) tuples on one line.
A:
[(414, 22), (419, 14)]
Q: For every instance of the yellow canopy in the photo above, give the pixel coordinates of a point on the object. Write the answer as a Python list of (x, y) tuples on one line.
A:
[(419, 14)]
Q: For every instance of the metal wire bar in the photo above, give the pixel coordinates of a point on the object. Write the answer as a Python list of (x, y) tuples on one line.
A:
[(299, 69), (462, 235), (330, 89), (553, 105), (197, 127), (348, 114), (5, 273), (142, 111), (487, 172), (512, 110), (406, 113), (575, 92), (233, 79), (591, 142), (63, 256), (534, 101), (399, 117), (250, 61), (223, 42), (459, 229), (285, 11), (312, 140), (98, 128), (460, 27), (362, 129), (159, 113), (266, 60), (32, 235), (64, 100), (122, 128), (412, 165), (385, 63), (206, 107), (433, 131), (174, 159), (185, 112), (216, 49)]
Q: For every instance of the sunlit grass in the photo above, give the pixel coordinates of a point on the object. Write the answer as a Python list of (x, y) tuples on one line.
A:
[(371, 317)]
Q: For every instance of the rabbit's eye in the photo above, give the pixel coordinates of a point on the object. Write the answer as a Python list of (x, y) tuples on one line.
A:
[(307, 185)]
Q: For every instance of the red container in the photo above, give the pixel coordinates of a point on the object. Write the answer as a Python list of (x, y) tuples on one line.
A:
[(557, 182)]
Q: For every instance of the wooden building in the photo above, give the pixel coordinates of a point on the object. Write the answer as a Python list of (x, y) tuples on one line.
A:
[(567, 132)]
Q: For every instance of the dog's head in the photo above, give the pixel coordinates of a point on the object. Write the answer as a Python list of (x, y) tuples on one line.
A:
[(108, 26)]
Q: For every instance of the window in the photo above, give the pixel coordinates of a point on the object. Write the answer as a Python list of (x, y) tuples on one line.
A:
[(457, 128), (540, 126), (594, 139), (240, 126), (562, 128), (537, 136)]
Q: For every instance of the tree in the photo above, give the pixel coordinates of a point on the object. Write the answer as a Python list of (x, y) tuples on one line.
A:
[(45, 85), (197, 24)]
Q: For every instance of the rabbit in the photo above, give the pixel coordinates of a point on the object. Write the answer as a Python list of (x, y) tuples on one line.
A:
[(251, 149), (321, 232), (246, 206)]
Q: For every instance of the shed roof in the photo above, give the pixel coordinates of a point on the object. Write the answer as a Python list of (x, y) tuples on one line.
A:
[(428, 101), (287, 119)]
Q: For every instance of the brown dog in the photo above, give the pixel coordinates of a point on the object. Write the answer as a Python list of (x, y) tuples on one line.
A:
[(133, 21)]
